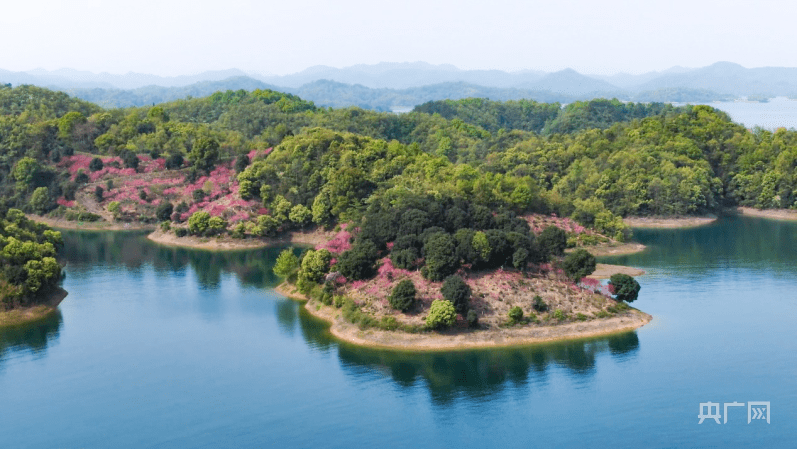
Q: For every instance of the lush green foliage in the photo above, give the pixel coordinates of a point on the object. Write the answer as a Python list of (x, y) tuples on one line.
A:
[(29, 269), (626, 288), (403, 295), (579, 264), (441, 314), (456, 290), (515, 314), (286, 263)]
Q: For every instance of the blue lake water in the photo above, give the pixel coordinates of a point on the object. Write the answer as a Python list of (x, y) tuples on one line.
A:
[(161, 347)]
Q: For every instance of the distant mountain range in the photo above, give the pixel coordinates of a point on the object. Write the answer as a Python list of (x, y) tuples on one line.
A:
[(398, 86)]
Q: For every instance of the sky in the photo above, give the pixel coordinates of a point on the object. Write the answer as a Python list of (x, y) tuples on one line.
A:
[(169, 38)]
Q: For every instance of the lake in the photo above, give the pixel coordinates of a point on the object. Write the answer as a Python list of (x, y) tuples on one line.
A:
[(164, 347), (778, 112)]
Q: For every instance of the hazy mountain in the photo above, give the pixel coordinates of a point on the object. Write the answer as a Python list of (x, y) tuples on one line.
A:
[(629, 82), (70, 78), (116, 98), (731, 78), (571, 83), (331, 93), (404, 75), (321, 92)]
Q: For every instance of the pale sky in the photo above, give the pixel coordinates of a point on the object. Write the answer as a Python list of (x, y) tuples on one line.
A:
[(167, 37)]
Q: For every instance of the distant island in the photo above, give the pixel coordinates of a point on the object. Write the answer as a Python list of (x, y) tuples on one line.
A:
[(471, 199)]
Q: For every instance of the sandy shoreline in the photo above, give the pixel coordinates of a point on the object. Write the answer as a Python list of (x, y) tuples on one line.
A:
[(314, 237), (668, 223), (25, 315), (775, 214), (620, 249), (605, 271), (459, 340)]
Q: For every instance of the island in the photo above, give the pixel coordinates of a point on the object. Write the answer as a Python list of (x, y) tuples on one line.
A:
[(507, 201)]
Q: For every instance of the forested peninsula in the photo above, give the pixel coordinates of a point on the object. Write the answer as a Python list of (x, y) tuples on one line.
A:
[(456, 215)]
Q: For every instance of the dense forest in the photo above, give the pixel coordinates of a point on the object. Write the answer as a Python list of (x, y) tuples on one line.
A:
[(434, 189), (28, 259)]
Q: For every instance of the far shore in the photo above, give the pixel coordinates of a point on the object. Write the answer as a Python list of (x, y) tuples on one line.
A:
[(314, 237), (466, 339), (24, 315), (775, 214), (100, 225), (668, 223)]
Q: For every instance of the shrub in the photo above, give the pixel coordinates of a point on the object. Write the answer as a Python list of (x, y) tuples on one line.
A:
[(180, 232), (403, 295), (238, 231), (81, 177), (164, 211), (96, 164), (472, 318), (98, 193), (539, 305), (456, 290), (559, 314), (516, 314), (174, 161), (166, 226), (579, 264), (625, 287), (581, 317), (198, 222), (142, 194), (198, 195), (441, 314)]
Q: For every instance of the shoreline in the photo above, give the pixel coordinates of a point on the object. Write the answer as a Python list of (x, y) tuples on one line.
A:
[(774, 214), (668, 223), (100, 225), (25, 315), (453, 340), (605, 271), (620, 249), (313, 237)]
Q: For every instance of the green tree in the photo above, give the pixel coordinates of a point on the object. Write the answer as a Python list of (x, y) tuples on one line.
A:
[(359, 262), (286, 263), (40, 200), (163, 212), (441, 257), (456, 290), (625, 287), (204, 154), (552, 241), (403, 295), (24, 172), (216, 225), (199, 222), (315, 264), (579, 264), (300, 215), (441, 314), (114, 208)]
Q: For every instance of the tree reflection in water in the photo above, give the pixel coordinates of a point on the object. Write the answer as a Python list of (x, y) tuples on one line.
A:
[(32, 337)]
